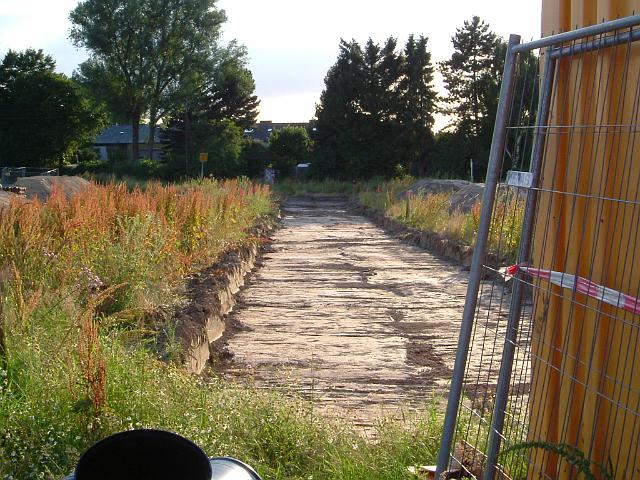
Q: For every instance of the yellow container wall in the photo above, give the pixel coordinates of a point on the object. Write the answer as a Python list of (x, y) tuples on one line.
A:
[(585, 364)]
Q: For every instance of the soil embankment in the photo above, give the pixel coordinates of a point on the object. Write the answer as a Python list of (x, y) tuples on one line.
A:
[(347, 315)]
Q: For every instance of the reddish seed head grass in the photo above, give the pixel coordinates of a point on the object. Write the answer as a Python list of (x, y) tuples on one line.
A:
[(92, 364), (187, 221), (134, 245)]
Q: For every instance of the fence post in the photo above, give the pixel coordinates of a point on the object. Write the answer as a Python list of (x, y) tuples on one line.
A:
[(502, 389), (475, 277)]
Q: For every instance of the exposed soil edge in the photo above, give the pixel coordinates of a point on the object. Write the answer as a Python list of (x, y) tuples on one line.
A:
[(432, 242), (211, 295)]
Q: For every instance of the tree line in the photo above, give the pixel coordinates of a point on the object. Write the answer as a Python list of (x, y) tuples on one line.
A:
[(376, 113), (150, 61), (162, 62)]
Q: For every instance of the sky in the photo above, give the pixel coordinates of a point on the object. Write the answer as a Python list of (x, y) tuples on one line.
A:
[(291, 43)]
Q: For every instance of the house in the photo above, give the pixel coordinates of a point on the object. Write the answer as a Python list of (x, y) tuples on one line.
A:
[(116, 142), (263, 130)]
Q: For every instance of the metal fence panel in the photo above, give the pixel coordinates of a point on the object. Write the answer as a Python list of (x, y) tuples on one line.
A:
[(545, 382)]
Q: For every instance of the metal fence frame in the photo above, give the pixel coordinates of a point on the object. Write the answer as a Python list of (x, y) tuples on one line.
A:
[(555, 50), (8, 173)]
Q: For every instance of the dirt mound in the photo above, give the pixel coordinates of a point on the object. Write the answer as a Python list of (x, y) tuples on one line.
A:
[(426, 186), (464, 194), (7, 197), (40, 187), (465, 198)]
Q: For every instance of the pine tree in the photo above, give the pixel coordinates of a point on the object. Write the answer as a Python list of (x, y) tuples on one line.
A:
[(417, 103), (376, 112), (338, 112), (469, 75), (472, 80)]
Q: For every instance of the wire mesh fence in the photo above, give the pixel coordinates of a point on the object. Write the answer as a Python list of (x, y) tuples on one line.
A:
[(9, 175), (547, 379)]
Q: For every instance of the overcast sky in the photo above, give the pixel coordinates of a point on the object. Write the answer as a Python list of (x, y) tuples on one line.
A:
[(291, 43)]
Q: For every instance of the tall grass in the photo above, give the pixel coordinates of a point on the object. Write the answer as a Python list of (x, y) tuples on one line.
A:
[(433, 212), (76, 279)]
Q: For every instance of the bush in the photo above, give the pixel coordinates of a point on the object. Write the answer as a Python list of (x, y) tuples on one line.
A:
[(289, 146)]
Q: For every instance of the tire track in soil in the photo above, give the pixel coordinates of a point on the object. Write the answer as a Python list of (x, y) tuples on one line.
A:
[(347, 315)]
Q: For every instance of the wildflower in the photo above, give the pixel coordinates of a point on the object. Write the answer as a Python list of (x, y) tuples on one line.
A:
[(89, 280), (49, 254)]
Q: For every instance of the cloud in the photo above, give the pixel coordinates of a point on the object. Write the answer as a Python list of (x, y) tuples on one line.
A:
[(289, 107), (34, 23), (291, 43)]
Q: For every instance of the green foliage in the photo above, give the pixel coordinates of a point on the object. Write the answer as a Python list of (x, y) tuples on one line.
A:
[(450, 158), (44, 116), (376, 111), (223, 141), (289, 146), (570, 454), (256, 156), (105, 89), (145, 47)]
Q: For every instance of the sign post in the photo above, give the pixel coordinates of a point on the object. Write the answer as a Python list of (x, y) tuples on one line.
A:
[(204, 158)]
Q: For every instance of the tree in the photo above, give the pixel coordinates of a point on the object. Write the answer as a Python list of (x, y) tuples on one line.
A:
[(223, 141), (417, 104), (229, 90), (104, 89), (146, 45), (289, 146), (338, 112), (256, 156), (222, 88), (44, 116), (471, 78), (376, 112)]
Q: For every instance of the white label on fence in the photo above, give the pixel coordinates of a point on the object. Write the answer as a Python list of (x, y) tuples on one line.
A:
[(519, 179)]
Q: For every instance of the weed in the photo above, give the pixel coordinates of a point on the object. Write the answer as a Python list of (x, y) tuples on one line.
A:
[(433, 212), (71, 373)]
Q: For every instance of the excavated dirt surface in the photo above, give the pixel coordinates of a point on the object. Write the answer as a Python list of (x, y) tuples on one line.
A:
[(346, 315)]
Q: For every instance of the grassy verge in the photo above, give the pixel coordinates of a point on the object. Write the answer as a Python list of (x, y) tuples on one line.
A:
[(289, 186), (78, 279), (432, 212)]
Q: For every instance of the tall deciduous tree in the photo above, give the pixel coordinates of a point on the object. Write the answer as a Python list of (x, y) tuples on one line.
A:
[(104, 89), (44, 116), (146, 45)]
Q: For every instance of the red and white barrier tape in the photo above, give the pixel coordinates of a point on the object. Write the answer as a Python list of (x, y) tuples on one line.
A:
[(582, 285)]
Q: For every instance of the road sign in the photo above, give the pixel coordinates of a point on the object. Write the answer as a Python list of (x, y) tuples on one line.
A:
[(204, 157)]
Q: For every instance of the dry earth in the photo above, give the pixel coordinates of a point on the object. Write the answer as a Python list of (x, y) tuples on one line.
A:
[(348, 316)]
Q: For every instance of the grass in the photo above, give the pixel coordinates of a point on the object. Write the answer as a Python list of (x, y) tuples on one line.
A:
[(289, 186), (432, 212), (78, 278)]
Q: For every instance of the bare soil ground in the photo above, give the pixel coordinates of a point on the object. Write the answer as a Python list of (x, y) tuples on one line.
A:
[(347, 315)]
